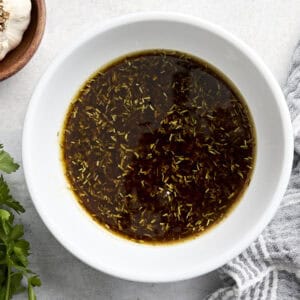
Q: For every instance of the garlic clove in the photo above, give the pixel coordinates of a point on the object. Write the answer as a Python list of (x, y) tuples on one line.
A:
[(15, 25)]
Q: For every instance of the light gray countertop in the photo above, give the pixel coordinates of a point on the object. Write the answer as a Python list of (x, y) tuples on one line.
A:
[(270, 27)]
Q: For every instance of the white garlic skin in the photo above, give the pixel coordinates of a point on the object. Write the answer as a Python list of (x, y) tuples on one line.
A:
[(17, 23)]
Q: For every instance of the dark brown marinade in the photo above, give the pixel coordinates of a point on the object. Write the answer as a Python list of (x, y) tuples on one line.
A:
[(158, 146)]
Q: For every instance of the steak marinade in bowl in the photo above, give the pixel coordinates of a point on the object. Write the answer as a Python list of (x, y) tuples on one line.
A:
[(158, 146)]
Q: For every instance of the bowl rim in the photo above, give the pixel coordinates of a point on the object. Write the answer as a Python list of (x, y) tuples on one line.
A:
[(273, 205), (37, 38)]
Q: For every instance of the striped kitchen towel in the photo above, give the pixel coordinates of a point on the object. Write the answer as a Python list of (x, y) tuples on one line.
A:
[(270, 268)]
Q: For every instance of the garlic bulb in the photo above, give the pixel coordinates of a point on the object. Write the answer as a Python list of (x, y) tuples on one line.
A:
[(14, 20)]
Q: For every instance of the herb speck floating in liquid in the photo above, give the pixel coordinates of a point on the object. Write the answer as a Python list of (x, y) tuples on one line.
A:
[(158, 146)]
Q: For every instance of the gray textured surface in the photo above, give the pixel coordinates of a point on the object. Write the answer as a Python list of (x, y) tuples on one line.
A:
[(259, 23)]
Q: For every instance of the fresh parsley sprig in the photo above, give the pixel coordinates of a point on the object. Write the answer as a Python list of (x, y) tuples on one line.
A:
[(14, 249)]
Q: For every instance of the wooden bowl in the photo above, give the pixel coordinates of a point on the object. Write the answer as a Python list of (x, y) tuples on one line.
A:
[(16, 59)]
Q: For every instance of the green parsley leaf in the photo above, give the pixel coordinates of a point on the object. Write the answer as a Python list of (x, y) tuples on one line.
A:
[(7, 200), (16, 283), (14, 250), (16, 232), (32, 282), (7, 163)]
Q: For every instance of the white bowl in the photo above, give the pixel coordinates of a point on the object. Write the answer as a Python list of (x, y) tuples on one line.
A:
[(67, 220)]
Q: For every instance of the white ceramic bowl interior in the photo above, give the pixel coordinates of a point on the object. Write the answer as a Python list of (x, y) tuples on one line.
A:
[(48, 186)]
